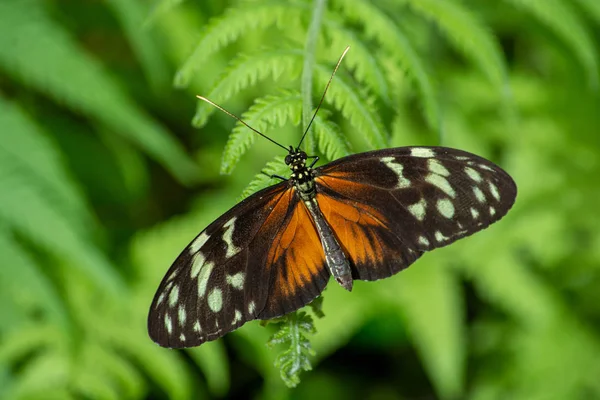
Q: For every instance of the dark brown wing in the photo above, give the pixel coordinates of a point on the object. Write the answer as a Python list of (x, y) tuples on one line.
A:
[(389, 206), (295, 264), (261, 259)]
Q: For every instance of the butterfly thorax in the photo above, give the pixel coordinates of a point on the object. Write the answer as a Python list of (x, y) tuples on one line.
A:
[(302, 177)]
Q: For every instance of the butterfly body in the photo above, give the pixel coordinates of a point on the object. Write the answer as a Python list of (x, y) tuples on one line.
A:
[(303, 179), (361, 217)]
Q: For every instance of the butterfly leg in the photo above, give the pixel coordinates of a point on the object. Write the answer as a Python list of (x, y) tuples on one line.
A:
[(274, 176), (315, 159)]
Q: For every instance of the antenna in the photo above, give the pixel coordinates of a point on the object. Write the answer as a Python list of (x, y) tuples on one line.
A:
[(323, 97), (240, 120)]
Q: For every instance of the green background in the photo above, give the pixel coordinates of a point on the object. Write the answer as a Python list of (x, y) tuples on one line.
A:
[(103, 180)]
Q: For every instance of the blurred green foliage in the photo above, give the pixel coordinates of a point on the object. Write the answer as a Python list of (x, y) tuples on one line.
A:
[(103, 180)]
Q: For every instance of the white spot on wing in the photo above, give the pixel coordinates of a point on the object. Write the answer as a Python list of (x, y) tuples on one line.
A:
[(398, 169), (215, 300), (203, 278), (487, 167), (181, 315), (237, 318), (236, 280), (168, 324), (170, 278), (228, 238), (421, 152), (494, 190), (418, 209), (436, 167), (251, 308), (197, 327), (174, 296), (476, 176), (161, 298), (439, 236), (479, 194), (423, 240), (182, 337), (474, 213), (441, 183), (445, 207), (198, 261), (198, 243), (492, 211)]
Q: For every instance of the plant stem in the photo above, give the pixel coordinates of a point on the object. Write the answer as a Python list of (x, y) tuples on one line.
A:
[(307, 70)]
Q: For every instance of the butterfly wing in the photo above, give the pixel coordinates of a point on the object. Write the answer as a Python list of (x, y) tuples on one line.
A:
[(261, 259), (389, 206)]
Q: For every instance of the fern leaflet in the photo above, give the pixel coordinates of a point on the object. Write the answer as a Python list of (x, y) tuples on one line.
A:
[(268, 111)]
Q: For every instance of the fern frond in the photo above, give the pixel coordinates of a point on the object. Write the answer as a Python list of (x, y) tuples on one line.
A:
[(31, 290), (436, 326), (362, 60), (266, 112), (330, 140), (354, 105), (24, 209), (213, 360), (380, 27), (293, 331), (39, 52), (36, 158), (247, 70), (275, 167), (592, 7), (131, 15), (159, 8), (308, 62), (235, 22), (469, 35), (120, 371), (559, 16)]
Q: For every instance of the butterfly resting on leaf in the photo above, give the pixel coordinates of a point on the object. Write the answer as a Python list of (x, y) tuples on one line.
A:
[(362, 217)]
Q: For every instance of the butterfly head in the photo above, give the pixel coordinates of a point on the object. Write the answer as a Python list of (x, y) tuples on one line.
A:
[(296, 158)]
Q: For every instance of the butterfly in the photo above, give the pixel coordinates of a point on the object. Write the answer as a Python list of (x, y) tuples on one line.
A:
[(362, 217)]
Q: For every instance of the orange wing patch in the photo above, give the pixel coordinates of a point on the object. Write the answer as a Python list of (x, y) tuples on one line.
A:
[(355, 226), (296, 253), (368, 238)]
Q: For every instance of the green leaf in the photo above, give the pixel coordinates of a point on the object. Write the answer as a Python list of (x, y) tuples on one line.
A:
[(469, 35), (355, 106), (37, 51), (266, 113), (131, 15), (430, 300), (559, 16), (235, 22), (24, 209), (245, 71), (212, 359), (275, 167), (32, 154), (379, 26), (330, 140), (292, 332)]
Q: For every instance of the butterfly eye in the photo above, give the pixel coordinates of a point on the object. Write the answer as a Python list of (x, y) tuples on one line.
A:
[(288, 160)]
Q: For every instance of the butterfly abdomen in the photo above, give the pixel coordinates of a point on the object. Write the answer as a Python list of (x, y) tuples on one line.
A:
[(334, 255)]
